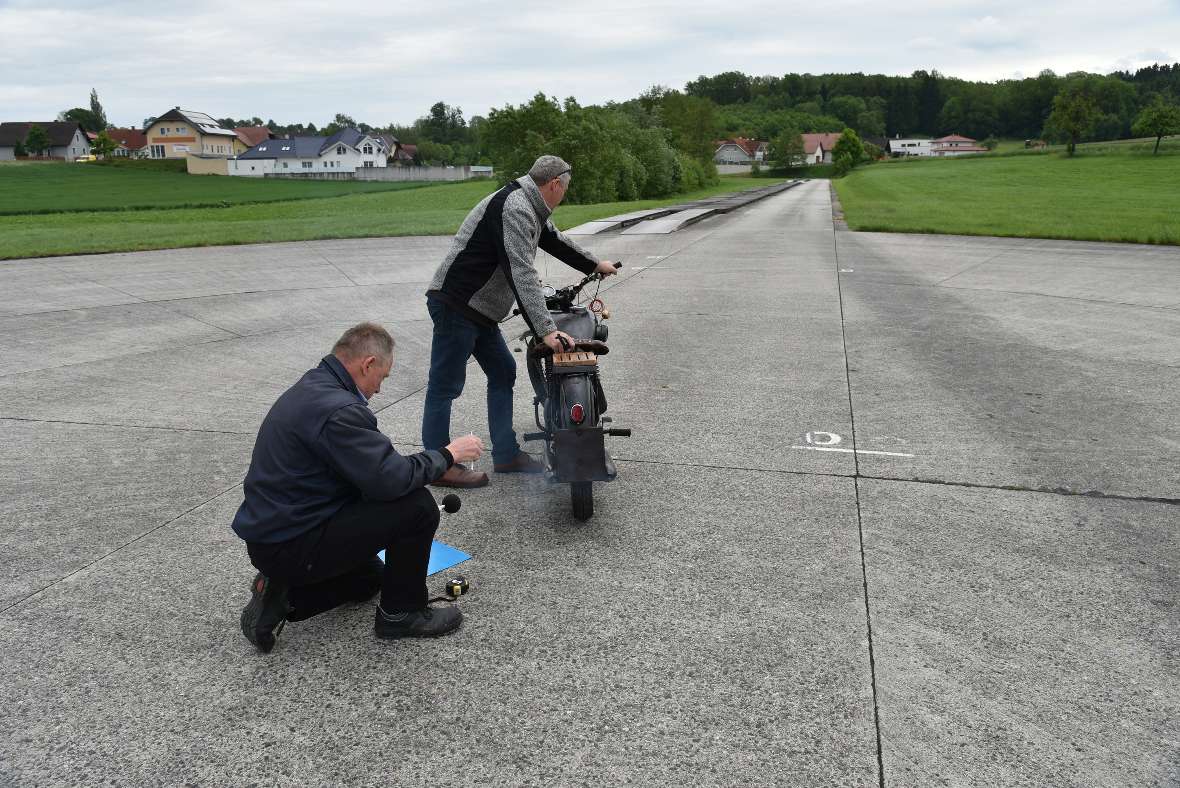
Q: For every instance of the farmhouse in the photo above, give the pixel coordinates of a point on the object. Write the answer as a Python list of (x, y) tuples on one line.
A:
[(345, 151), (740, 150), (179, 132), (817, 148), (66, 139), (249, 136), (130, 143)]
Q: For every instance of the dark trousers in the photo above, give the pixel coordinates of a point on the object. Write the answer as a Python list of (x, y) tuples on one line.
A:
[(337, 562), (456, 339)]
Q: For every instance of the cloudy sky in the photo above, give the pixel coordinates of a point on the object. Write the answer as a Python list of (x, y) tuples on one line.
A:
[(305, 60)]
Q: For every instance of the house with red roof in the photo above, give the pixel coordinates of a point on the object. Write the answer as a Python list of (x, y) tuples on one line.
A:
[(955, 145), (740, 150), (817, 148), (130, 143), (249, 136)]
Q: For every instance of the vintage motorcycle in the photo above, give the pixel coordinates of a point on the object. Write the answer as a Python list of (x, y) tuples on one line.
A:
[(569, 400)]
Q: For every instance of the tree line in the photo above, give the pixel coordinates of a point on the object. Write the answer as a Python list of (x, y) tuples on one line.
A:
[(926, 103)]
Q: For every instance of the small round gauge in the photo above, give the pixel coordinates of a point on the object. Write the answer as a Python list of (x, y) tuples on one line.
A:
[(597, 306), (548, 291)]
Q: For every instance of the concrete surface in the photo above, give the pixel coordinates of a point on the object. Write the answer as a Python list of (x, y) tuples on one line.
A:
[(898, 510)]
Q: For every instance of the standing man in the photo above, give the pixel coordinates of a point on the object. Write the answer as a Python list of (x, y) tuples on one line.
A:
[(326, 491), (490, 266)]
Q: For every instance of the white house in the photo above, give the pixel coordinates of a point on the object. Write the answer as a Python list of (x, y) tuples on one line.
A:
[(740, 150), (817, 147), (348, 150), (912, 146), (67, 140)]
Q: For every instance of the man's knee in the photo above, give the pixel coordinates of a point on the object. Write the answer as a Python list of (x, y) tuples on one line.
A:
[(503, 373), (443, 386), (423, 509)]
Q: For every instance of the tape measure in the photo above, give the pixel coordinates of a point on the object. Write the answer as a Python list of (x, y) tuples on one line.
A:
[(457, 585)]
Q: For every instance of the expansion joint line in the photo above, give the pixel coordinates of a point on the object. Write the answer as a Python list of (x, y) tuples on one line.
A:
[(143, 535), (864, 572)]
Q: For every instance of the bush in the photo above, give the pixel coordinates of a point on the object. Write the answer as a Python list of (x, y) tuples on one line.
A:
[(849, 145), (842, 164), (690, 174), (652, 150)]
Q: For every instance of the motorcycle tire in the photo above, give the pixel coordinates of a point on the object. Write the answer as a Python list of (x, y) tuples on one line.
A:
[(582, 497)]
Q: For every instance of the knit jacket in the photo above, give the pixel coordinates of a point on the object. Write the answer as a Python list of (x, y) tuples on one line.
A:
[(491, 262)]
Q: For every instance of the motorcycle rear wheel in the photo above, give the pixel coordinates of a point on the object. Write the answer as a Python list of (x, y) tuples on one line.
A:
[(582, 498)]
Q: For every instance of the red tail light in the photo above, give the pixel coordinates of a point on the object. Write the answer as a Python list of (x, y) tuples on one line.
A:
[(577, 413)]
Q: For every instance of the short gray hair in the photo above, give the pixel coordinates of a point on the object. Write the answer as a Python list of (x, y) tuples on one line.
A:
[(549, 167), (364, 339)]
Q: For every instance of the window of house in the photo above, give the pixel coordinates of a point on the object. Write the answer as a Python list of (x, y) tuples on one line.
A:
[(164, 130), (307, 165), (339, 150), (284, 165), (286, 147), (157, 151), (261, 147), (368, 163), (368, 149)]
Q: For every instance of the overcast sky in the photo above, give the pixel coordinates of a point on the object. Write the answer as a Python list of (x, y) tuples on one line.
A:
[(388, 62)]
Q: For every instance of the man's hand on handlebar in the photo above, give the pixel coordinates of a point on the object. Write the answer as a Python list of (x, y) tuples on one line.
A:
[(558, 341), (607, 268), (465, 449)]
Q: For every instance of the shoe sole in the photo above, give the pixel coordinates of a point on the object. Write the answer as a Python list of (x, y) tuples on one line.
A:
[(401, 636)]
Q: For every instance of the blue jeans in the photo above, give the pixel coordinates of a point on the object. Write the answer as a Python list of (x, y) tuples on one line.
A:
[(457, 339)]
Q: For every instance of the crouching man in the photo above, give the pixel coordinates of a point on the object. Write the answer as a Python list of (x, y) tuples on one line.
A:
[(326, 491)]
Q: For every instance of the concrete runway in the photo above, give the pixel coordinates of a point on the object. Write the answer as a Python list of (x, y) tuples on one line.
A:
[(898, 510)]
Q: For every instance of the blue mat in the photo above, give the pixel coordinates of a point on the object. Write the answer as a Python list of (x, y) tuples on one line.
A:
[(442, 556)]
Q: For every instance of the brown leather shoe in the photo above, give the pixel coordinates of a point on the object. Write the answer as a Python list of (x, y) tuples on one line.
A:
[(521, 463), (461, 476)]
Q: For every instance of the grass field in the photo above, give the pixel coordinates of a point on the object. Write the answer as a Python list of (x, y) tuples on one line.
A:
[(429, 210), (1108, 192), (51, 187)]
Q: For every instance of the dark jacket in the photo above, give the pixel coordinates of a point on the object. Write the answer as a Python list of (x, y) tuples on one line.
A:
[(490, 263), (319, 449)]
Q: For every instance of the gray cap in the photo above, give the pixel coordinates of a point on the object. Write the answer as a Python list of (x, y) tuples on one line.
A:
[(547, 168)]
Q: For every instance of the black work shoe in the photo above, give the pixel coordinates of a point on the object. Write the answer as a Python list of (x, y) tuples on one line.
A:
[(429, 622), (263, 618)]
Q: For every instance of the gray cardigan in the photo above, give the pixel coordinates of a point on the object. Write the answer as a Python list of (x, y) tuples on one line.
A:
[(491, 262)]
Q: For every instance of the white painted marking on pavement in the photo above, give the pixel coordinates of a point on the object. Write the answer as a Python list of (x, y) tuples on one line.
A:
[(854, 451), (832, 439)]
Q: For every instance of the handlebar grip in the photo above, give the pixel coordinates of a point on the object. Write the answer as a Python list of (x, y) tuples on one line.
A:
[(618, 264), (534, 436)]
